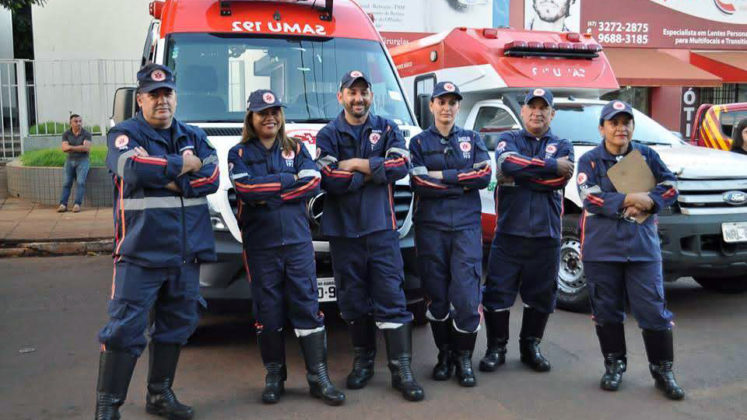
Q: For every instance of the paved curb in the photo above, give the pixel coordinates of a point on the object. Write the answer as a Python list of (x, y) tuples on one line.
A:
[(35, 249)]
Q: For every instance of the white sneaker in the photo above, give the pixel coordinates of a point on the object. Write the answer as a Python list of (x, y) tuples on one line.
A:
[(62, 208), (76, 208)]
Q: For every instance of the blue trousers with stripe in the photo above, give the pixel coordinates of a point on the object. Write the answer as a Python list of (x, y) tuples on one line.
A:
[(174, 293)]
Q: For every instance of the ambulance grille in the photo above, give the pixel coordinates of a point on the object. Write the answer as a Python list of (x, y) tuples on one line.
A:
[(712, 196), (222, 131)]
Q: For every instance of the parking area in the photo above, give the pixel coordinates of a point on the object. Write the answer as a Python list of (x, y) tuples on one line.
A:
[(52, 308)]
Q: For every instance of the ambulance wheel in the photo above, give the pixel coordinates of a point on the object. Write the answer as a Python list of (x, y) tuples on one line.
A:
[(573, 292), (418, 309), (736, 284)]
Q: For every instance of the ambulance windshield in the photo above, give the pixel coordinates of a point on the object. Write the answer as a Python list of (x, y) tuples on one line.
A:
[(579, 123), (215, 74)]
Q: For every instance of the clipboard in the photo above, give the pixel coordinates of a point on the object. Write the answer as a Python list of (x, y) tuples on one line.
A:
[(632, 175)]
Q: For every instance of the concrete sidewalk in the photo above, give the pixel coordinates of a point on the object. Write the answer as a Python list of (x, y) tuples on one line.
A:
[(32, 229)]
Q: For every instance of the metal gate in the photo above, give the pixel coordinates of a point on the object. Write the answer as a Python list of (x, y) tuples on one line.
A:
[(37, 97)]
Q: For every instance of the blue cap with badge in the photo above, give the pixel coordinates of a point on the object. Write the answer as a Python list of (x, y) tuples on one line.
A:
[(351, 77), (262, 99), (446, 88), (545, 94), (155, 76), (612, 108)]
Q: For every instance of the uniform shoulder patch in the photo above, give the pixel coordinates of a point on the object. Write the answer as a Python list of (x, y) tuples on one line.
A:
[(581, 178), (121, 141)]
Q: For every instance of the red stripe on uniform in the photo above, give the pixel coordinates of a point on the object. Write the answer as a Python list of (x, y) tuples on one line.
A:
[(425, 183), (300, 190), (150, 160), (207, 180), (337, 173), (391, 206), (475, 174)]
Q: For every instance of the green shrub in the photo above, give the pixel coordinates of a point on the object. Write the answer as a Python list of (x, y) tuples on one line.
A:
[(51, 128), (56, 157)]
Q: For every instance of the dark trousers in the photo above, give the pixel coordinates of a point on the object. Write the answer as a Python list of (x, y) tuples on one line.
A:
[(173, 292), (450, 268), (369, 275), (284, 284), (641, 282), (528, 266)]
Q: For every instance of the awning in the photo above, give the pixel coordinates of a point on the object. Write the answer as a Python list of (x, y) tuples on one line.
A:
[(650, 67), (731, 66)]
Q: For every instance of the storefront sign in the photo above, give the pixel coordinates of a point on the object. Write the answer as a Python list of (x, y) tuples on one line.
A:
[(690, 103), (687, 24)]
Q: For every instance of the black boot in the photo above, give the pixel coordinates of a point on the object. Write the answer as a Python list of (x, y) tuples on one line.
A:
[(496, 326), (363, 334), (272, 349), (399, 354), (161, 400), (115, 372), (660, 351), (464, 345), (314, 348), (441, 335), (612, 342), (532, 329)]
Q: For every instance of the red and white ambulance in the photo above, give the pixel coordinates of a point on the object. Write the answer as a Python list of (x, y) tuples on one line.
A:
[(704, 235), (221, 50)]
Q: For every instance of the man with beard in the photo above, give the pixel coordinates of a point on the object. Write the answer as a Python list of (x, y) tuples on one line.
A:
[(162, 171), (551, 15), (360, 156)]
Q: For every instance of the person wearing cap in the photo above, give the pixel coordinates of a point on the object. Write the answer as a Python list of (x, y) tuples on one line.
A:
[(621, 251), (274, 176), (532, 168), (360, 156), (162, 171), (449, 167)]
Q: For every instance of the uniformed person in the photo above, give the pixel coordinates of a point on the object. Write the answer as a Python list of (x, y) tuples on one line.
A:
[(622, 257), (162, 171), (360, 156), (449, 167), (532, 168), (273, 176)]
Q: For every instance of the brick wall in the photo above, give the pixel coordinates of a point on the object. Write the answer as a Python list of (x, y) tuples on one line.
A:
[(44, 185)]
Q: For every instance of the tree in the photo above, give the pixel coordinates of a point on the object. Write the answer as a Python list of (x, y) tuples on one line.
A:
[(18, 4)]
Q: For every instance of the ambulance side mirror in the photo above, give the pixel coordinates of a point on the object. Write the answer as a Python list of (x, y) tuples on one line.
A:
[(424, 110), (125, 105)]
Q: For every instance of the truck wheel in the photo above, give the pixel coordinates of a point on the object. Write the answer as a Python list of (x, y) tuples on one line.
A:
[(573, 293), (735, 284)]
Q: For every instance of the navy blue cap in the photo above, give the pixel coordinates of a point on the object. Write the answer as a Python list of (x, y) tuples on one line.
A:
[(539, 93), (446, 88), (351, 77), (615, 107), (262, 99), (155, 76)]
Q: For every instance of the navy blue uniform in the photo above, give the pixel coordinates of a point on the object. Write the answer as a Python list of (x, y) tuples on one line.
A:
[(447, 215), (278, 251), (359, 217), (622, 257), (525, 253), (160, 236)]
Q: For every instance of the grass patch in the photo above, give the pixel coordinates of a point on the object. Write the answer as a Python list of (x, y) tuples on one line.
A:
[(51, 128), (56, 157)]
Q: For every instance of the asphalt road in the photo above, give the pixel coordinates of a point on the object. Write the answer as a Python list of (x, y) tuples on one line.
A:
[(51, 309)]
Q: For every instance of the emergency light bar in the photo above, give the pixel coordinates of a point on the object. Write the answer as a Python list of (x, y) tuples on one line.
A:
[(552, 49), (225, 5)]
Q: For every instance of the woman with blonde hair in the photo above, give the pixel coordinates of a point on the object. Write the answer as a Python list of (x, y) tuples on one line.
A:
[(273, 176)]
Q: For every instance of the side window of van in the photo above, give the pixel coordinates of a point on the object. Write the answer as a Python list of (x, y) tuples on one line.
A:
[(491, 121)]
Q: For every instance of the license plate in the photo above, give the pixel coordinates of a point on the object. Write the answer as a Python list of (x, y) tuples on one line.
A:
[(734, 232), (327, 291)]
